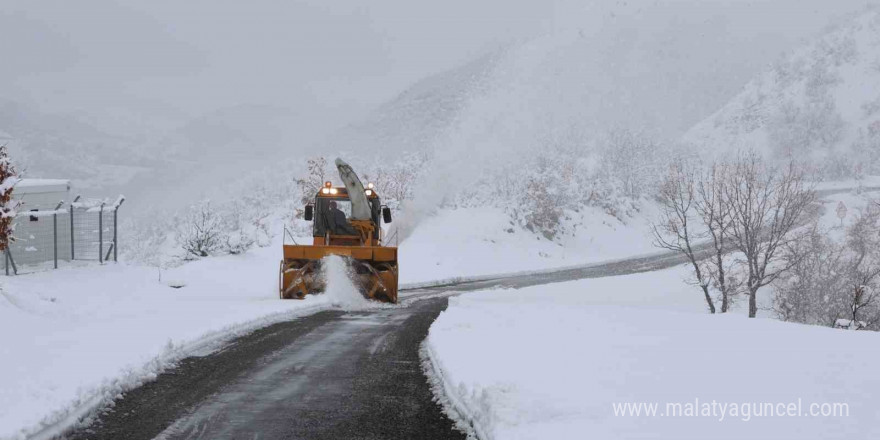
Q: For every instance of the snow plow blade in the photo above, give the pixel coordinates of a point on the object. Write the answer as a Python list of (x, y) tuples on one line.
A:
[(373, 270)]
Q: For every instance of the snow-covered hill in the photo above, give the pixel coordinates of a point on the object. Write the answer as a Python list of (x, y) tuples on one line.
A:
[(821, 101), (170, 169), (570, 86), (248, 131), (61, 146), (571, 93), (490, 123), (420, 116), (664, 66)]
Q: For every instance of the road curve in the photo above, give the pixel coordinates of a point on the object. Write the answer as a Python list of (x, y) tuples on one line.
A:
[(333, 375)]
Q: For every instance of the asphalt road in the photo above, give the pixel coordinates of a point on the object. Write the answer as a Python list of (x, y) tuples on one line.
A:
[(332, 375)]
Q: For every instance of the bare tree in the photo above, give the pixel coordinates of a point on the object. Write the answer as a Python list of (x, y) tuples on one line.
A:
[(200, 232), (8, 206), (631, 160), (314, 180), (831, 283), (239, 235), (809, 292), (716, 217), (676, 229), (396, 181), (863, 269), (766, 205)]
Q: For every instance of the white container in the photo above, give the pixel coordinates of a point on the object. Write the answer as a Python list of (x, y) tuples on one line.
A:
[(41, 194), (34, 232)]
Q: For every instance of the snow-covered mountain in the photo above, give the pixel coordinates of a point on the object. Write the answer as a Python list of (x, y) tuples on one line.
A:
[(59, 145), (247, 131), (820, 102), (659, 70), (170, 169), (421, 115), (526, 91)]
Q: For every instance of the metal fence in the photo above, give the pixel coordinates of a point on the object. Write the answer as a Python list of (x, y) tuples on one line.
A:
[(82, 230)]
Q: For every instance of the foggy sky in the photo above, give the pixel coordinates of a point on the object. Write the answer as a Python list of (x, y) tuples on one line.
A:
[(127, 63), (174, 58)]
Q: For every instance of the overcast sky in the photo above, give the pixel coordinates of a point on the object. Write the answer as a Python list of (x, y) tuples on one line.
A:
[(169, 59), (197, 55)]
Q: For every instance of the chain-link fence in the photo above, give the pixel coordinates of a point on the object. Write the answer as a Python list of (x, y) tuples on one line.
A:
[(82, 230)]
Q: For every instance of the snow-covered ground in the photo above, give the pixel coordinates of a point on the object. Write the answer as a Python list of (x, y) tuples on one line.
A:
[(866, 182), (74, 337), (552, 361), (481, 241), (80, 335), (853, 202)]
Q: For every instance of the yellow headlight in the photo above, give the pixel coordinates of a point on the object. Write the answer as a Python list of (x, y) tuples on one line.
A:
[(325, 190), (370, 185), (333, 190), (369, 192)]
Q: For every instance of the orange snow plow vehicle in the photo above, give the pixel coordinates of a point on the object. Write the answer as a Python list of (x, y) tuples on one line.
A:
[(345, 223)]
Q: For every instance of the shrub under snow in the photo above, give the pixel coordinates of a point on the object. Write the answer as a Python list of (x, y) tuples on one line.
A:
[(8, 205), (834, 282)]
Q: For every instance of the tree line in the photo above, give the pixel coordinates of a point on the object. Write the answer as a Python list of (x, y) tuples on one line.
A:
[(744, 224)]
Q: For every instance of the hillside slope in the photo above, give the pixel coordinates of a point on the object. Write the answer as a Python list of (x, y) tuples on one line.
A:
[(571, 123), (820, 102), (170, 169), (421, 115), (656, 70), (61, 146)]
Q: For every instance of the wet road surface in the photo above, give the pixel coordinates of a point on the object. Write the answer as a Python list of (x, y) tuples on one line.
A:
[(332, 375)]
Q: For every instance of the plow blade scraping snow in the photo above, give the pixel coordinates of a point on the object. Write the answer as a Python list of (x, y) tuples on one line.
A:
[(372, 268)]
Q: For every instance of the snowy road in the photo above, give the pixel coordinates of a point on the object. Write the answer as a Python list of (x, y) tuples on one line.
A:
[(333, 375)]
